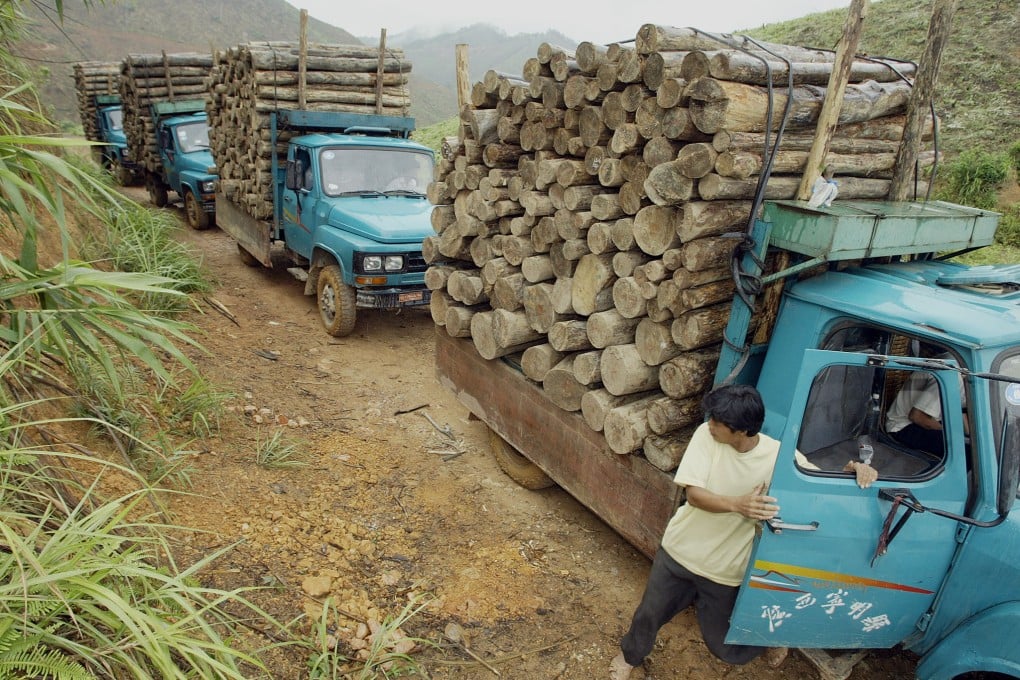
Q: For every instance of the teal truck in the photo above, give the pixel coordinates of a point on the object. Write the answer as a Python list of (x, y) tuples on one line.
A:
[(113, 154), (927, 559), (185, 164), (348, 209)]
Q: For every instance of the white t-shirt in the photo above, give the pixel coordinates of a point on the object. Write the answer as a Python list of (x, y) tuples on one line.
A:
[(717, 545)]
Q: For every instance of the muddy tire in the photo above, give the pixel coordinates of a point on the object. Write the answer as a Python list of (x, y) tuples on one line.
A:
[(198, 219), (157, 191), (516, 466), (122, 176), (337, 302), (247, 258)]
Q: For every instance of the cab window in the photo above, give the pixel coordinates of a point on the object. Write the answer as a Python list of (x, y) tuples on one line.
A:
[(889, 415)]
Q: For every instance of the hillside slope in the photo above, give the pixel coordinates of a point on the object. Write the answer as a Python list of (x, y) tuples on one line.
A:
[(978, 94)]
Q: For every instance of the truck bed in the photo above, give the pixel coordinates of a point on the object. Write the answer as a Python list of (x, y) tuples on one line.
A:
[(628, 493)]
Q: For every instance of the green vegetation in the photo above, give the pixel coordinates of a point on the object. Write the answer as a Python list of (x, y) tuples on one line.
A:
[(386, 655), (978, 98), (433, 135), (275, 452)]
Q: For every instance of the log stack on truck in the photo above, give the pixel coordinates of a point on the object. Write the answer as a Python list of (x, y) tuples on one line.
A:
[(623, 228), (164, 98), (97, 88), (313, 148), (584, 221)]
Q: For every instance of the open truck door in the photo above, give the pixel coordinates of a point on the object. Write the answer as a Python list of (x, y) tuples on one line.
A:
[(844, 567)]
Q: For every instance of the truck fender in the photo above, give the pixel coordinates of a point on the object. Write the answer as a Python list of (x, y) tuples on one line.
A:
[(983, 642), (320, 258)]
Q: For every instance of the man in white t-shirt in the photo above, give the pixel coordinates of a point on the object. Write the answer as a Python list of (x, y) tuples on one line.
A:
[(707, 544), (915, 416)]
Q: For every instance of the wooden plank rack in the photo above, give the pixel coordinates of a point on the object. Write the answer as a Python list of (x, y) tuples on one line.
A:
[(628, 493)]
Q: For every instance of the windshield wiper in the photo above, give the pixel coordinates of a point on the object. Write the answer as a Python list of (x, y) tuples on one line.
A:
[(404, 192), (365, 193)]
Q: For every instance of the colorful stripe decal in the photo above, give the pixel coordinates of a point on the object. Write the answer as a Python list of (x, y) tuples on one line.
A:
[(789, 572)]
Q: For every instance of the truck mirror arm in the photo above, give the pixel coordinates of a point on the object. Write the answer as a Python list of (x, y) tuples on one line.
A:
[(905, 498)]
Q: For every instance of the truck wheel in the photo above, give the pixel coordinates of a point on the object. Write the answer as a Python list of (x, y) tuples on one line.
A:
[(121, 175), (516, 466), (246, 257), (337, 302), (157, 191), (198, 219)]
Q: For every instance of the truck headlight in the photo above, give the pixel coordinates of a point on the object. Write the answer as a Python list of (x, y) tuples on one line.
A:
[(394, 263), (372, 263), (208, 187), (123, 154)]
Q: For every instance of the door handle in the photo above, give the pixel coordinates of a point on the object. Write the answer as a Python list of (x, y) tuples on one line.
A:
[(776, 525)]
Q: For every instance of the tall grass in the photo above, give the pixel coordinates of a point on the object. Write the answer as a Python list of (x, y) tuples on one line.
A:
[(88, 585)]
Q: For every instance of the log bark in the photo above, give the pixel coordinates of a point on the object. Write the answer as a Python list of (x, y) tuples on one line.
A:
[(609, 328), (570, 336), (669, 415), (537, 360), (655, 228), (587, 368), (701, 327), (596, 405), (562, 387), (666, 452), (623, 372), (626, 426), (719, 104), (654, 342), (593, 275), (689, 373)]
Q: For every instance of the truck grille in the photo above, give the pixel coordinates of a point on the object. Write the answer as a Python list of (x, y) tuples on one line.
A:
[(416, 263)]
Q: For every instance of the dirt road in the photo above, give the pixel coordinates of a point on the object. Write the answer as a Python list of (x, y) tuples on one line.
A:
[(390, 506)]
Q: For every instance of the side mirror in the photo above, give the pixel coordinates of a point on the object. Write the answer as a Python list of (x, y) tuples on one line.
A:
[(292, 181), (1009, 460)]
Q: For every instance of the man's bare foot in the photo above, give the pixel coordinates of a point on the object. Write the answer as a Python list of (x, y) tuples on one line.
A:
[(775, 656), (619, 669)]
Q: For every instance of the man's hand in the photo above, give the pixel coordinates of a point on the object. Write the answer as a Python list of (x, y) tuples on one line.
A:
[(866, 474), (756, 505)]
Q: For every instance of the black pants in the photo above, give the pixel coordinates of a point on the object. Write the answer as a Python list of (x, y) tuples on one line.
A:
[(917, 437), (670, 589)]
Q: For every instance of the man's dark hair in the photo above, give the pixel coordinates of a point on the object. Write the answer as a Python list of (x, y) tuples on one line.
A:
[(738, 407)]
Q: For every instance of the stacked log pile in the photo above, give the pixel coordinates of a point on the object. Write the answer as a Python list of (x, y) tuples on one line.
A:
[(93, 78), (151, 78), (250, 81), (581, 214)]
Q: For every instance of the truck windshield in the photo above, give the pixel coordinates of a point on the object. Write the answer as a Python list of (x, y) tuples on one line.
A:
[(193, 136), (115, 119), (380, 170)]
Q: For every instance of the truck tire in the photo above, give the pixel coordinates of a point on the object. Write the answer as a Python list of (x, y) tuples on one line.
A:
[(516, 466), (247, 258), (121, 175), (198, 219), (157, 191), (337, 302)]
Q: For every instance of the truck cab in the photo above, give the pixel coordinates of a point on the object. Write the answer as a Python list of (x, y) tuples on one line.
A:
[(357, 215), (186, 163), (908, 561), (349, 207), (113, 155)]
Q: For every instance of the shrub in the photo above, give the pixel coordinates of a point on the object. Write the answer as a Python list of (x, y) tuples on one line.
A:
[(974, 178)]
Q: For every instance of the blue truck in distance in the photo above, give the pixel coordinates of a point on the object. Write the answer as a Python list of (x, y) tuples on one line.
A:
[(348, 207), (113, 155), (185, 164)]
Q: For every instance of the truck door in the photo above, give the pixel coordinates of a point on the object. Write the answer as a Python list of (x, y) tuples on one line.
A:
[(168, 156), (298, 217), (823, 580)]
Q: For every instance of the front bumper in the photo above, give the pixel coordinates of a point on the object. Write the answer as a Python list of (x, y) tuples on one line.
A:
[(393, 298)]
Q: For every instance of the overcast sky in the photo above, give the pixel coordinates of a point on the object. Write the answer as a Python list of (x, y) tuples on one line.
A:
[(599, 21)]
